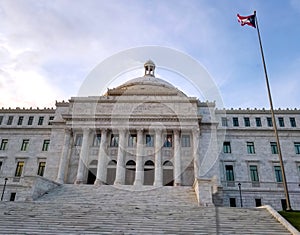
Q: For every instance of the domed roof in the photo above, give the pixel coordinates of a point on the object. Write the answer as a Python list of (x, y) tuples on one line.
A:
[(146, 85)]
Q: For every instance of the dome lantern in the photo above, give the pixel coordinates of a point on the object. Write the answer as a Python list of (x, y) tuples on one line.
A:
[(149, 68)]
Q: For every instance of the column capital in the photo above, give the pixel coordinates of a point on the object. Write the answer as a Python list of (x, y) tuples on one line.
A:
[(86, 130), (141, 130), (196, 131), (176, 131)]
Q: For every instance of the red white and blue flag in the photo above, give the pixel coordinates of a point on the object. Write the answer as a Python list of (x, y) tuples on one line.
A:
[(249, 20)]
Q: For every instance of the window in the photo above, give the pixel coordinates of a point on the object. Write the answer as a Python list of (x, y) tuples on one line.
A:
[(293, 122), (224, 121), (19, 169), (254, 173), (78, 140), (1, 119), (97, 140), (250, 148), (258, 121), (41, 168), (149, 140), (30, 120), (25, 144), (226, 147), (274, 148), (297, 147), (41, 120), (281, 121), (114, 140), (132, 140), (1, 165), (258, 202), (20, 120), (168, 141), (12, 197), (185, 141), (232, 202), (46, 145), (229, 173), (278, 174), (235, 121), (50, 119), (3, 145), (10, 120), (247, 121), (269, 122)]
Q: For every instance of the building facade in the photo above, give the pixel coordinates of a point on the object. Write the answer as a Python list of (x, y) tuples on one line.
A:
[(147, 132)]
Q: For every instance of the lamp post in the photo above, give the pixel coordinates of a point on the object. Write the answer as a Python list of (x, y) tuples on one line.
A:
[(5, 180), (240, 190)]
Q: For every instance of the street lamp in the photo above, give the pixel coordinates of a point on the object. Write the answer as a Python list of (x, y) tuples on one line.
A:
[(5, 180), (240, 190)]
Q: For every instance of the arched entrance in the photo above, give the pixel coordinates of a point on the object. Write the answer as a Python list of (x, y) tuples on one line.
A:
[(92, 172), (168, 169), (149, 173), (111, 172), (130, 172)]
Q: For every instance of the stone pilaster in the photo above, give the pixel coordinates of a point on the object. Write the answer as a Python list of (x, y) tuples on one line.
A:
[(102, 162), (120, 174), (177, 160), (139, 173), (83, 156), (196, 138), (158, 173), (64, 157)]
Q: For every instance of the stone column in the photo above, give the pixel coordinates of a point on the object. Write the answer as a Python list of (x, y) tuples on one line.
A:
[(177, 159), (120, 174), (196, 155), (83, 156), (102, 163), (158, 174), (64, 157), (139, 172)]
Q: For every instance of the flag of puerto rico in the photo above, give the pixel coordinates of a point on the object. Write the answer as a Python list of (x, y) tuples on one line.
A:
[(249, 20)]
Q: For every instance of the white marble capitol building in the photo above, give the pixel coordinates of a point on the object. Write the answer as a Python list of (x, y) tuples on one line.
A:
[(147, 133)]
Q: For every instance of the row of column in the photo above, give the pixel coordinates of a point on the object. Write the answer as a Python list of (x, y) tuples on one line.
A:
[(120, 170)]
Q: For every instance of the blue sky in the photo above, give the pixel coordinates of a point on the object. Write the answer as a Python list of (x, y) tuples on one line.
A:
[(47, 48)]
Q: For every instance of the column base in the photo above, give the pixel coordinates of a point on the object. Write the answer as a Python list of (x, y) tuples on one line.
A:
[(137, 183), (60, 181), (78, 182), (158, 184), (177, 184), (99, 182)]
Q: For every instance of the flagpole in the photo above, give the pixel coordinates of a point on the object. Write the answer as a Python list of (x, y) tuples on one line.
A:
[(286, 192)]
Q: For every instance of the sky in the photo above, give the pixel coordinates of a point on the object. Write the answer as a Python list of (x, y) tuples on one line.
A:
[(49, 47)]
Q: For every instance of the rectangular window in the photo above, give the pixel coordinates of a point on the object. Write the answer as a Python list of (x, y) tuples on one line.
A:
[(278, 174), (78, 140), (250, 148), (297, 148), (168, 141), (50, 119), (229, 173), (224, 121), (254, 173), (25, 144), (1, 165), (3, 145), (235, 121), (149, 140), (1, 119), (281, 121), (258, 121), (10, 120), (46, 145), (232, 202), (185, 141), (20, 120), (41, 168), (274, 148), (41, 120), (258, 202), (132, 140), (293, 122), (226, 147), (247, 121), (114, 140), (12, 197), (19, 169), (30, 120), (269, 122), (97, 140)]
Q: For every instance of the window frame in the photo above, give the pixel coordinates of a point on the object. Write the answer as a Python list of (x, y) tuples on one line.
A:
[(278, 174), (41, 168), (254, 173), (46, 144), (235, 121), (293, 122), (19, 169), (20, 120), (4, 143), (269, 122), (149, 140), (247, 122), (274, 147), (41, 120), (281, 121), (226, 147), (25, 144), (297, 147), (258, 122), (185, 140), (250, 147)]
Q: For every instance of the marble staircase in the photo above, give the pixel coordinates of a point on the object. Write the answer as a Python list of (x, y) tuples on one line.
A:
[(88, 209)]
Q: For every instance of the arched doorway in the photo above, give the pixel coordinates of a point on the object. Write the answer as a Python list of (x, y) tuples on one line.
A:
[(111, 172), (130, 172), (92, 172), (149, 173), (168, 178)]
